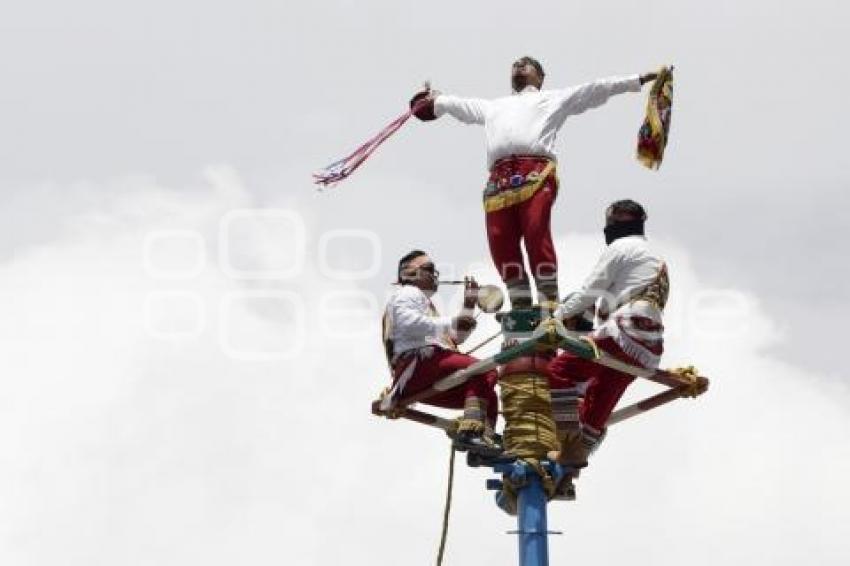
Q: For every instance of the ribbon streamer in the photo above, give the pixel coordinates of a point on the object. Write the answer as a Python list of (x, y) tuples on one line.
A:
[(342, 169)]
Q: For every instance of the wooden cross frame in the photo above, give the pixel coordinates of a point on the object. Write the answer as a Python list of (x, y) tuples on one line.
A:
[(552, 334)]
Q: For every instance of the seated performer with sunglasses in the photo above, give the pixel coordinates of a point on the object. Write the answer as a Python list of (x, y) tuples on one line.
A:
[(421, 349)]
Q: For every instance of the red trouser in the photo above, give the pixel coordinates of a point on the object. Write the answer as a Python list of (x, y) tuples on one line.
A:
[(606, 385), (442, 363), (528, 220)]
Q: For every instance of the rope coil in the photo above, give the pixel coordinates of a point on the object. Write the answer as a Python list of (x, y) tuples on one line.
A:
[(530, 432), (527, 408), (695, 384)]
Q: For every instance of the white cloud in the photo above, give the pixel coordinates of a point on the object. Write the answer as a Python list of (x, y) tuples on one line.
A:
[(123, 447), (119, 447)]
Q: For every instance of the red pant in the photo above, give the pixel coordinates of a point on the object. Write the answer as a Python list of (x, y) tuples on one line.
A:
[(528, 220), (606, 385), (444, 362)]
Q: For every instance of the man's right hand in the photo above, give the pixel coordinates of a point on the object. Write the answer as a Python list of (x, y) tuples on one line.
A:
[(426, 97), (430, 92)]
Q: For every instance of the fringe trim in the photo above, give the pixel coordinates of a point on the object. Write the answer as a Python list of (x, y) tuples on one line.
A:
[(637, 351), (343, 168), (406, 374), (645, 350)]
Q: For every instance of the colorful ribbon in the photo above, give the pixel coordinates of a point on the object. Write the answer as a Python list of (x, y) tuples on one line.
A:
[(342, 169)]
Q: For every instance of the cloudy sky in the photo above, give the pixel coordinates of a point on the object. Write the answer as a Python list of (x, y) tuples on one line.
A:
[(188, 334)]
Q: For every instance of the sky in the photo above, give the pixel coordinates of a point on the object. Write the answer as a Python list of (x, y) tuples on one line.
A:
[(188, 339)]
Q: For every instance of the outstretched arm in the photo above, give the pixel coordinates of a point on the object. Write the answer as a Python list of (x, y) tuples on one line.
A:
[(579, 99), (429, 104), (467, 110)]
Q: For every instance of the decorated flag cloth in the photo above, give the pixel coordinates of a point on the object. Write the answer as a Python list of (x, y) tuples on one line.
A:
[(652, 136), (339, 170)]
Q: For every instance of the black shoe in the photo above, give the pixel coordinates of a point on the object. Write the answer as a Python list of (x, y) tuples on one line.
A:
[(506, 504), (565, 490)]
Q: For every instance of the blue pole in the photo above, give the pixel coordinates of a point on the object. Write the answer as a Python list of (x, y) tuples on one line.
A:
[(531, 522), (530, 507)]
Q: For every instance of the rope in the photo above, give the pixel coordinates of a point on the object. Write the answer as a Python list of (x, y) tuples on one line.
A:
[(530, 432), (695, 385), (447, 507), (527, 408)]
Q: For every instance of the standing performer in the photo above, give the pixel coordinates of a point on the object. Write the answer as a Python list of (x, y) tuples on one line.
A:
[(421, 348), (629, 286), (520, 139)]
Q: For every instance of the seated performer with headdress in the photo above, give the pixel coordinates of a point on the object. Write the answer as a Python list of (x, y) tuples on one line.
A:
[(421, 348), (629, 288), (520, 135)]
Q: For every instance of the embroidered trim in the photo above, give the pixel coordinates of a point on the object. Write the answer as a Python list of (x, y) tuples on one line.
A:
[(404, 365), (637, 330), (657, 291), (525, 188)]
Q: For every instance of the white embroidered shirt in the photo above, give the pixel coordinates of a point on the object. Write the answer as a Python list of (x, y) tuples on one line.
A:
[(627, 266), (414, 323), (527, 122)]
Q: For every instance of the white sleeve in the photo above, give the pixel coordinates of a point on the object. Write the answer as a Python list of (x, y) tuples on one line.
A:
[(576, 100), (596, 286), (467, 110), (411, 317)]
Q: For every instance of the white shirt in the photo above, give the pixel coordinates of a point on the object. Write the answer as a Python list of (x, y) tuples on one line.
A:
[(413, 322), (625, 268), (527, 122)]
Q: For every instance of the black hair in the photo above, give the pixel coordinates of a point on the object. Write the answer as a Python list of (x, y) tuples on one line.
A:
[(405, 259), (534, 63), (629, 207)]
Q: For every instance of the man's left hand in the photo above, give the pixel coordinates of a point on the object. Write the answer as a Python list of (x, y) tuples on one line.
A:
[(648, 77)]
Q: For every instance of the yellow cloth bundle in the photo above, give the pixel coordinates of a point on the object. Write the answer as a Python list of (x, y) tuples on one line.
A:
[(652, 136)]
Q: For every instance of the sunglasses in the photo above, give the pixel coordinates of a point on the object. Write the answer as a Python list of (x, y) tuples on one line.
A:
[(429, 268)]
